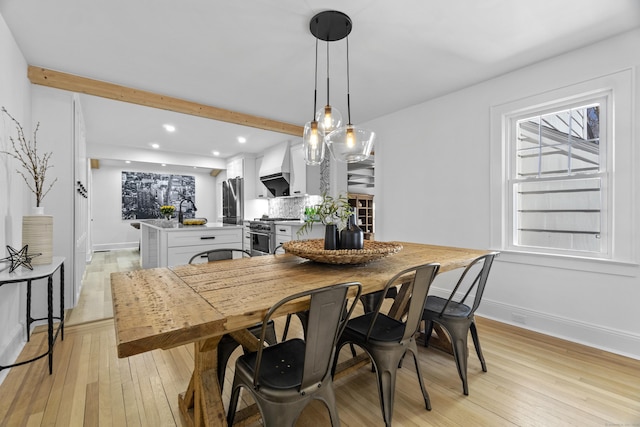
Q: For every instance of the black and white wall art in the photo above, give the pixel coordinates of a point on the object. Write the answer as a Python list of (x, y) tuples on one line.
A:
[(144, 192)]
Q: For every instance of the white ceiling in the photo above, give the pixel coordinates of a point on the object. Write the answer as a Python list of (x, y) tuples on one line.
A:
[(257, 56)]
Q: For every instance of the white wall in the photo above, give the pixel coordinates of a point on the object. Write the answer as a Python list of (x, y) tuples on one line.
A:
[(108, 229), (438, 154), (15, 97)]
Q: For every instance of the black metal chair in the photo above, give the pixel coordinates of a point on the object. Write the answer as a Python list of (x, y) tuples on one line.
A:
[(301, 315), (285, 377), (218, 254), (457, 318), (387, 337), (227, 344), (370, 301)]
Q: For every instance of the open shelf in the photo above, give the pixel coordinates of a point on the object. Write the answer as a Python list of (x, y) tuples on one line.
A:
[(363, 204)]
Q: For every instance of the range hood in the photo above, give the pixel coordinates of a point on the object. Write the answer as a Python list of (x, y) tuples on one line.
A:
[(274, 170)]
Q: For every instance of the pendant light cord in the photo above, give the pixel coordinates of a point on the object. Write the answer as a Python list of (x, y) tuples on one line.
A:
[(315, 88), (328, 73), (348, 90)]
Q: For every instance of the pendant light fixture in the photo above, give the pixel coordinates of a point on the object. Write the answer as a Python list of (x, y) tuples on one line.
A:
[(347, 143), (329, 118), (313, 137)]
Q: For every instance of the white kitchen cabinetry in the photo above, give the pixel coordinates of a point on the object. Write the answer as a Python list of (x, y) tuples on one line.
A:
[(246, 241), (304, 179), (260, 189), (245, 168), (162, 246), (288, 230), (283, 234)]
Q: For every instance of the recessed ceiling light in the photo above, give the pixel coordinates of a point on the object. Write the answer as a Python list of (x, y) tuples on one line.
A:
[(155, 145), (164, 164), (169, 128), (242, 139), (195, 167), (215, 153), (127, 161)]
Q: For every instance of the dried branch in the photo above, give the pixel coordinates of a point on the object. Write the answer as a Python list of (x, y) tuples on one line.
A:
[(36, 166)]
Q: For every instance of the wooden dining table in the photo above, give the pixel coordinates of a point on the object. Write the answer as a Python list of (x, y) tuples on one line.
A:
[(162, 308)]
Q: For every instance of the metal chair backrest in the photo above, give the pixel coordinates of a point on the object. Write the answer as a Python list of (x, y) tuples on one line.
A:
[(483, 263), (218, 254), (327, 318), (419, 284)]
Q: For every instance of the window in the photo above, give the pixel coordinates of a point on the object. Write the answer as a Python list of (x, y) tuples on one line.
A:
[(563, 190), (558, 169)]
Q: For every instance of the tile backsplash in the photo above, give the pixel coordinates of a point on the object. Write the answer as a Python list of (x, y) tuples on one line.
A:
[(291, 207)]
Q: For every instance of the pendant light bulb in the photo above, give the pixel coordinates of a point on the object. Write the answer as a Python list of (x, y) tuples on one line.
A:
[(350, 137), (329, 119), (313, 143), (313, 138)]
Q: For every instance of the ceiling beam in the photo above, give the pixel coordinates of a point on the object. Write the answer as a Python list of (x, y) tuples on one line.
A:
[(70, 82)]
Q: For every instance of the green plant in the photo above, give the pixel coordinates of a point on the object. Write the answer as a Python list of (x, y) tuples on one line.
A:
[(26, 152), (330, 210)]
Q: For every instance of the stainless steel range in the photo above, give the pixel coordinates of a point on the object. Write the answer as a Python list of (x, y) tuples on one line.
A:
[(263, 235)]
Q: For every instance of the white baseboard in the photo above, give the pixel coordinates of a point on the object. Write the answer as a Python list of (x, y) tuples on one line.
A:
[(10, 352), (614, 341), (105, 247)]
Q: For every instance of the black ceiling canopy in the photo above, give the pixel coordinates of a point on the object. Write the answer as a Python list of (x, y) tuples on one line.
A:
[(330, 25)]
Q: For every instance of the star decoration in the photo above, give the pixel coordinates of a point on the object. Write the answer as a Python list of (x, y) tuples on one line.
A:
[(19, 257)]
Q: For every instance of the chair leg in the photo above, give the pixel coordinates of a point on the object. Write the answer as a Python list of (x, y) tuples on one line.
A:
[(386, 369), (328, 396), (461, 354), (226, 347), (286, 327), (279, 413), (476, 343), (233, 404), (413, 347), (428, 330)]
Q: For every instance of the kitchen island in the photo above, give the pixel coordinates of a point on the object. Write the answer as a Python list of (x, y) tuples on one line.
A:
[(164, 243)]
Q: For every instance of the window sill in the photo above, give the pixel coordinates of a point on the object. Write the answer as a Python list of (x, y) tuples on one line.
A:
[(566, 262)]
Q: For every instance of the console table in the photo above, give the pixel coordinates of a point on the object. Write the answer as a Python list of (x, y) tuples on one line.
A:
[(40, 272)]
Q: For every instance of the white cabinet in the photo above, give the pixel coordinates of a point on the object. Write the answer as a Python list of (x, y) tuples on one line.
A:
[(162, 247), (245, 168), (304, 179), (182, 245), (246, 241), (287, 231), (283, 234), (260, 189)]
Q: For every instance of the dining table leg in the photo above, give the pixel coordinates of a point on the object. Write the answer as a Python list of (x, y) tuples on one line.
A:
[(201, 404)]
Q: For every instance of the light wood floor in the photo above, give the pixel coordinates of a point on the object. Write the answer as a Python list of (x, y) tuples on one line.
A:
[(95, 295), (532, 380)]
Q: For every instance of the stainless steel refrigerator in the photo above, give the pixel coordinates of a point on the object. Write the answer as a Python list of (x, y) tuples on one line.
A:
[(232, 201)]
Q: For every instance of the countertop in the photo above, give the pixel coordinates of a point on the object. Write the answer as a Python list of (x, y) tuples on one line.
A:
[(298, 222), (163, 224)]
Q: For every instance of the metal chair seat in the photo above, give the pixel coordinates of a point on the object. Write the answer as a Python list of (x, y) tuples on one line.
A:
[(385, 329), (453, 309), (282, 365)]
